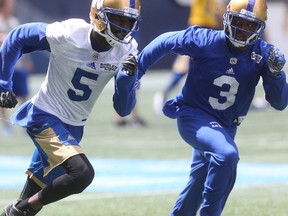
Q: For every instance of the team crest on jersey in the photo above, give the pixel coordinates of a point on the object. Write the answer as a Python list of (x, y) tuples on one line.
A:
[(233, 61), (108, 67), (256, 57), (215, 124), (96, 56)]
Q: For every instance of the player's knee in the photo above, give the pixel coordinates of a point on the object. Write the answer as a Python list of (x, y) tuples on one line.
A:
[(224, 158), (83, 178), (230, 157), (81, 172)]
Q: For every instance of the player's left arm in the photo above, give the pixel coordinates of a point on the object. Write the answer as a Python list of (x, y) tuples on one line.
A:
[(274, 79), (124, 98), (169, 42)]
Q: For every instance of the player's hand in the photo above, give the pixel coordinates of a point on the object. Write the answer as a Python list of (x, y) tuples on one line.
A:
[(130, 65), (276, 60), (8, 99)]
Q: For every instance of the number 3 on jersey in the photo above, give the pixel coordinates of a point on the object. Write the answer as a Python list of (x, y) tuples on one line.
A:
[(228, 95), (83, 88)]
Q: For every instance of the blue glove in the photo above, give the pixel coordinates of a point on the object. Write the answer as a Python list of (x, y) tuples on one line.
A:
[(276, 60), (8, 99)]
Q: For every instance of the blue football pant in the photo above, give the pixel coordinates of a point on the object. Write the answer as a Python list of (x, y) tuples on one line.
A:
[(213, 168)]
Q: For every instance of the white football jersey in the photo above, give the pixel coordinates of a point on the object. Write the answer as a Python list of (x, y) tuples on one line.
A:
[(76, 74)]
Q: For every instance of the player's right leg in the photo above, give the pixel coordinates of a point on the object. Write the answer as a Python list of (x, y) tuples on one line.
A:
[(190, 198)]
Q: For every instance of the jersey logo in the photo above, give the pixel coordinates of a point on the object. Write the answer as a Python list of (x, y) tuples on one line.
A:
[(69, 138), (238, 120), (215, 125), (256, 57), (108, 67), (91, 65), (96, 56), (233, 61), (230, 71)]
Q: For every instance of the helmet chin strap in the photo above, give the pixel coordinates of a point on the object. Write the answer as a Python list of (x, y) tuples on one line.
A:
[(240, 44), (237, 44), (108, 39), (111, 42), (111, 39)]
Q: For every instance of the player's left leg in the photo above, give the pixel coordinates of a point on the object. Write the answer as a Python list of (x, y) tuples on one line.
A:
[(78, 176), (58, 165)]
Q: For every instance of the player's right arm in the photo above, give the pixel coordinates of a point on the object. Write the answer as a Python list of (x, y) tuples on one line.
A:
[(156, 49), (25, 38), (124, 98)]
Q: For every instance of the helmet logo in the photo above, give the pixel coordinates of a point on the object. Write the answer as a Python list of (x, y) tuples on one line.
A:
[(248, 13), (98, 4), (93, 4), (129, 11), (256, 57)]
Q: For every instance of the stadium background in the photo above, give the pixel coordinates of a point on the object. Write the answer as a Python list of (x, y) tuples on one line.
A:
[(157, 17)]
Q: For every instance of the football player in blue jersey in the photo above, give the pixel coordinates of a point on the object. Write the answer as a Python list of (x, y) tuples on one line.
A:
[(226, 66), (84, 57)]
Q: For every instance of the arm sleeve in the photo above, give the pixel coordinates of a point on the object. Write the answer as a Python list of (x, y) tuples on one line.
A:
[(276, 90), (124, 98), (158, 48), (25, 38)]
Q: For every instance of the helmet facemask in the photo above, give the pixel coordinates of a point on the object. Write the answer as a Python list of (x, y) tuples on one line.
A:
[(120, 34), (232, 30)]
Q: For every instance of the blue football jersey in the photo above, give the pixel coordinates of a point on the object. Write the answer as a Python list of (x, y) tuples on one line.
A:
[(221, 81)]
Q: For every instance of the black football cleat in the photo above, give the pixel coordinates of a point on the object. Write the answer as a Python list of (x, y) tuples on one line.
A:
[(12, 210)]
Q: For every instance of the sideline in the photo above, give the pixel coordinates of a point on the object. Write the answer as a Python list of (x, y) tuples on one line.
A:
[(133, 175)]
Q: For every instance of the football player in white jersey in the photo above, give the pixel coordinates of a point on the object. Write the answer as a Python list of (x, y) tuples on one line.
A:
[(83, 58)]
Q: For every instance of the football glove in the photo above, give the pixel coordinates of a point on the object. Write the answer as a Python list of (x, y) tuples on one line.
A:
[(276, 60), (8, 99), (130, 65)]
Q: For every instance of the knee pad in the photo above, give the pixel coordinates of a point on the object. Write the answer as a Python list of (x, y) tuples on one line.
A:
[(81, 172)]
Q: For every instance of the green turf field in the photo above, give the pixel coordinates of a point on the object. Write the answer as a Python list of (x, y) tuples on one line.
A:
[(262, 138)]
